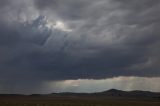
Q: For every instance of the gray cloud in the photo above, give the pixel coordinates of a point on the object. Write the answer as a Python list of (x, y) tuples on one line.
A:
[(109, 38)]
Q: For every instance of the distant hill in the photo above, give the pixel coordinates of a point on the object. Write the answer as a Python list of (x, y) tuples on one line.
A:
[(108, 93), (114, 93), (136, 93)]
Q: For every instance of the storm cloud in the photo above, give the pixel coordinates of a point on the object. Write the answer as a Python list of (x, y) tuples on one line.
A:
[(50, 40)]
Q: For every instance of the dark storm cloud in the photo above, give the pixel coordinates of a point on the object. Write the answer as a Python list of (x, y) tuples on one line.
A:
[(69, 9), (108, 38), (122, 34), (3, 3)]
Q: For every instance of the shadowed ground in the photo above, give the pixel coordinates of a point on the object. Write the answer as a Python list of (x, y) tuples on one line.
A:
[(37, 100)]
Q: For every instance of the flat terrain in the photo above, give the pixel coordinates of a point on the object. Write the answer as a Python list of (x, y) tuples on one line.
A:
[(75, 101)]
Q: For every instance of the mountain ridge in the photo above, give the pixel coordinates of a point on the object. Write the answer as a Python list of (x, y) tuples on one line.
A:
[(107, 93)]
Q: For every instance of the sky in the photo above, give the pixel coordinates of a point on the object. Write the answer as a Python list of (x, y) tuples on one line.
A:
[(79, 45)]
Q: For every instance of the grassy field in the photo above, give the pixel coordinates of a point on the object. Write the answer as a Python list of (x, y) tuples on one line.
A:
[(76, 101)]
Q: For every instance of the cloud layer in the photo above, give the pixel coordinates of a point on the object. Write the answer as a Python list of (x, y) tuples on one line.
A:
[(45, 40)]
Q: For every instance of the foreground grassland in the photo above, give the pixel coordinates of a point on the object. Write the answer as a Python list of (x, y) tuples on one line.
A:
[(76, 101)]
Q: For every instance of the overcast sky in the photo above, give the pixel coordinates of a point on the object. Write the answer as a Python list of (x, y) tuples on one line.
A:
[(77, 45)]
